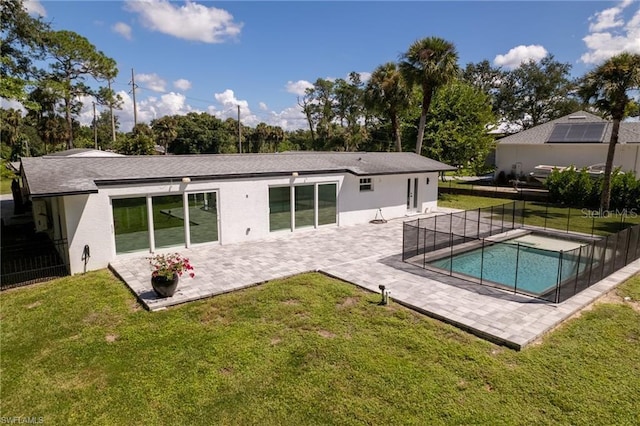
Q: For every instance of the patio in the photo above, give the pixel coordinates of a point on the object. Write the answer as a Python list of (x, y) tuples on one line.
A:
[(366, 256)]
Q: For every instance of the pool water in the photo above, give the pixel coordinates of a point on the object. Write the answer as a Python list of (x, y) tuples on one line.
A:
[(537, 269)]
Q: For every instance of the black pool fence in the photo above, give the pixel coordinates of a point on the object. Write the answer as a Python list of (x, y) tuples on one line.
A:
[(607, 245), (34, 261)]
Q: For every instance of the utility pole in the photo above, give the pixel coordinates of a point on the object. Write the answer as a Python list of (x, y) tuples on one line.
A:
[(239, 132), (95, 127), (133, 92), (113, 119)]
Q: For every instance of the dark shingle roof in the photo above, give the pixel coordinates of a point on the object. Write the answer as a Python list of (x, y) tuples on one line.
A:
[(47, 176), (629, 132)]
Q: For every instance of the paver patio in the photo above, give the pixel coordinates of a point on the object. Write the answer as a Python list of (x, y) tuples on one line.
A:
[(367, 256)]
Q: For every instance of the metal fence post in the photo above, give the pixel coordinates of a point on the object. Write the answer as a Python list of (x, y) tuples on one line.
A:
[(478, 234), (515, 283), (575, 286), (491, 222), (568, 219), (559, 278)]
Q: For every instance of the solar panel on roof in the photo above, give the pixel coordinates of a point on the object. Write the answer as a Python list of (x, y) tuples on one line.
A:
[(577, 133)]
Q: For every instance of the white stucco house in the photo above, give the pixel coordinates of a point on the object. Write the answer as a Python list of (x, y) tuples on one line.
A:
[(123, 205), (579, 139)]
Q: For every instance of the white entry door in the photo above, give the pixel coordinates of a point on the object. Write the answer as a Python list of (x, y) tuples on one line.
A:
[(412, 195)]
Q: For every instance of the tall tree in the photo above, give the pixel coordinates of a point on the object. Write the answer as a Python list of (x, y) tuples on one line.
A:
[(349, 107), (23, 44), (166, 131), (429, 63), (73, 58), (386, 94), (457, 126), (536, 92), (609, 87), (137, 142)]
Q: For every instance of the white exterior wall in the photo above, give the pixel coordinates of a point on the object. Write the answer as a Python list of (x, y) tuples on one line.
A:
[(243, 208), (389, 195), (579, 155)]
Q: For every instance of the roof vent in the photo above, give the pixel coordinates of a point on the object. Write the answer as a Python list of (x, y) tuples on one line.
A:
[(578, 117)]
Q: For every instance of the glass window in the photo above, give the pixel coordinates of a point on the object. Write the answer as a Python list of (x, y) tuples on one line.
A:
[(366, 184), (130, 224), (279, 208), (203, 217), (327, 203), (305, 206), (168, 220)]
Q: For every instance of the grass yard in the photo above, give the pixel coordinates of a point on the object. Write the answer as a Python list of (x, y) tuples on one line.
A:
[(538, 214), (5, 185), (306, 350), (468, 202)]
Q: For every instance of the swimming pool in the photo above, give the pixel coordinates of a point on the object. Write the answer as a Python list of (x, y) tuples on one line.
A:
[(530, 263)]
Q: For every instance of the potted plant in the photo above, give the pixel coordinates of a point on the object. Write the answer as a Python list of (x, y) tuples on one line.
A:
[(167, 270)]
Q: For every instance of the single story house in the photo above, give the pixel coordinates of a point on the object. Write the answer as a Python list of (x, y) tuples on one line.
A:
[(114, 206), (579, 139)]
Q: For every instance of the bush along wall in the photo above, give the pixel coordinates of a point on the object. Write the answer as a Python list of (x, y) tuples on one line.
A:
[(577, 188)]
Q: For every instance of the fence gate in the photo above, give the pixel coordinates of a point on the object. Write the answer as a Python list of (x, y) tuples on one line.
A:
[(33, 261)]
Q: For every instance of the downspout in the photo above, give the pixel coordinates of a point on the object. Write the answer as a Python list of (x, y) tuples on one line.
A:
[(635, 163)]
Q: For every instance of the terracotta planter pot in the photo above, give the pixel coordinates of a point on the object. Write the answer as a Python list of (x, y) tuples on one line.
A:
[(165, 287)]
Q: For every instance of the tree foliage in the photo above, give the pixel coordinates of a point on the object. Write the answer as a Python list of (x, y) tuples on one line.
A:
[(456, 131), (608, 88), (73, 59), (386, 96), (22, 45), (429, 63)]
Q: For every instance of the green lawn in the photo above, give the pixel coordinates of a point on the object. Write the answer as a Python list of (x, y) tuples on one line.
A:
[(538, 214), (5, 186), (469, 202), (306, 350)]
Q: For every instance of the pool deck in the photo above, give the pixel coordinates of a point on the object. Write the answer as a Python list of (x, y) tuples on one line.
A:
[(366, 256)]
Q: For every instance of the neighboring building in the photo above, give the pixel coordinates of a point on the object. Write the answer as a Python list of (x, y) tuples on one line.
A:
[(580, 139), (138, 204)]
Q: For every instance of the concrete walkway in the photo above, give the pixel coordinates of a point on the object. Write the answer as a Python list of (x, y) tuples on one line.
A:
[(367, 256)]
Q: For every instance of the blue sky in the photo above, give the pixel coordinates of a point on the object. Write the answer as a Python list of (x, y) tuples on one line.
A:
[(212, 56)]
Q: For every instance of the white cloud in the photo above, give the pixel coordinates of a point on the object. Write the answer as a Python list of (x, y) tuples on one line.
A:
[(298, 87), (225, 106), (123, 29), (191, 21), (182, 84), (151, 108), (519, 54), (12, 104), (34, 7), (621, 37), (608, 18), (152, 82), (365, 76), (263, 106)]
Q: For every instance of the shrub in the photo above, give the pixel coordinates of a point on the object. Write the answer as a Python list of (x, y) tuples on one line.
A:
[(579, 189)]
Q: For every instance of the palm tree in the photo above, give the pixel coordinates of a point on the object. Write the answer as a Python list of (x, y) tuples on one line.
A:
[(166, 131), (608, 87), (386, 93), (429, 63)]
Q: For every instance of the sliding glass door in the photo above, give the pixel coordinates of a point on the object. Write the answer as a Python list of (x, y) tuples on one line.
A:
[(305, 206), (327, 203), (313, 205), (168, 220), (130, 224), (203, 217), (279, 208)]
